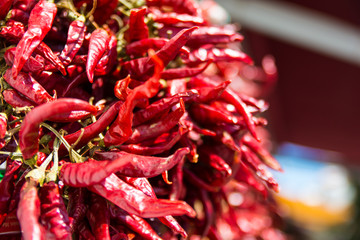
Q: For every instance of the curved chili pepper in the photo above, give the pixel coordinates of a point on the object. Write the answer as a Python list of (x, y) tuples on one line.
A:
[(158, 148), (97, 46), (40, 21), (142, 68), (209, 115), (76, 35), (84, 232), (28, 212), (7, 186), (207, 92), (143, 185), (201, 55), (137, 27), (140, 47), (53, 212), (3, 125), (121, 130), (151, 130), (29, 132), (175, 73), (92, 172), (134, 222), (213, 35), (98, 216), (170, 18), (136, 202), (108, 60), (28, 86), (181, 6), (95, 128), (161, 106)]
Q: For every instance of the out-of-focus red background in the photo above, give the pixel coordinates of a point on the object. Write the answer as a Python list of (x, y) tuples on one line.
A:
[(316, 101)]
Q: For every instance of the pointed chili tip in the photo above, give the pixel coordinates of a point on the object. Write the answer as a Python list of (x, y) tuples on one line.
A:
[(90, 76)]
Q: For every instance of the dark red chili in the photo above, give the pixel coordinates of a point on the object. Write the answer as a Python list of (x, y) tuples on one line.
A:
[(77, 206), (31, 65), (180, 6), (4, 8), (54, 216), (40, 21), (98, 216), (175, 73), (172, 18)]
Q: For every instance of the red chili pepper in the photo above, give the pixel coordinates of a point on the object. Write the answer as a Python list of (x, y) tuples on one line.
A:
[(180, 6), (137, 27), (29, 132), (20, 16), (98, 216), (213, 35), (120, 130), (76, 35), (92, 172), (76, 206), (28, 212), (38, 26), (28, 86), (84, 232), (31, 65), (184, 72), (4, 8), (140, 47), (54, 215), (3, 125), (172, 18), (136, 202), (7, 186), (215, 161), (142, 68), (201, 55), (135, 223), (151, 130), (95, 128), (261, 152), (207, 92), (97, 46), (206, 114), (153, 149), (108, 60), (79, 79), (144, 185)]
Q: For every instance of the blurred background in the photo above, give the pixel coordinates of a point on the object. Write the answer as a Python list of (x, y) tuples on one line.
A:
[(314, 109)]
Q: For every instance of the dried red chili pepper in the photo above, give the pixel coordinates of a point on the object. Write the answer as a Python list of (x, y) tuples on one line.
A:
[(28, 86), (97, 46), (31, 65), (98, 216), (134, 222), (76, 206), (92, 172), (7, 186), (28, 212), (143, 185), (84, 232), (151, 130), (139, 48), (108, 60), (170, 18), (201, 55), (40, 21), (175, 73), (76, 35), (137, 27), (180, 6), (136, 202), (54, 216), (3, 125), (29, 132), (210, 115), (4, 8), (142, 68)]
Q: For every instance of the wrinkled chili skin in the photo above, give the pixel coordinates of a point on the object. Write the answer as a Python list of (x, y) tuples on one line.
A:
[(7, 184), (54, 216), (138, 29), (40, 21), (97, 46), (98, 216), (4, 8), (77, 206), (28, 212), (3, 125)]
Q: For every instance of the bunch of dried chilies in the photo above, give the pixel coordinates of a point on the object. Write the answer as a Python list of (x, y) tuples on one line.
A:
[(111, 129)]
